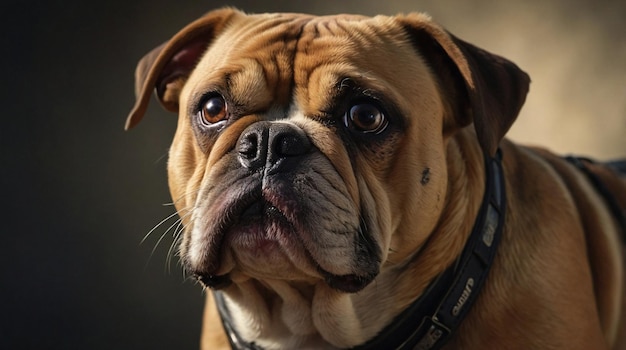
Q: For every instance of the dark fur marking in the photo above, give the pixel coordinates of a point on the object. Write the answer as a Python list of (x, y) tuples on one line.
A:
[(425, 176)]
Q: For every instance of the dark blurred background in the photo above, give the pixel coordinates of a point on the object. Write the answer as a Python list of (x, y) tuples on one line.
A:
[(79, 193)]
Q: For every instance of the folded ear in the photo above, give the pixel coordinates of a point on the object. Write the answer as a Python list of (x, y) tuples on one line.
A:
[(482, 88), (167, 67)]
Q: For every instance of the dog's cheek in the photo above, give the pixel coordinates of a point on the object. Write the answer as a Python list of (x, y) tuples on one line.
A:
[(417, 198), (185, 161), (375, 212), (380, 154)]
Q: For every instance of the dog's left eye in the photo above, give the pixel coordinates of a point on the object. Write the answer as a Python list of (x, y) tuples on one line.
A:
[(214, 110), (366, 118)]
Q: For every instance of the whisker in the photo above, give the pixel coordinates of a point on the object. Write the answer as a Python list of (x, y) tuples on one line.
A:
[(157, 226), (163, 156), (168, 230), (181, 197), (184, 195), (363, 228), (177, 228), (176, 241)]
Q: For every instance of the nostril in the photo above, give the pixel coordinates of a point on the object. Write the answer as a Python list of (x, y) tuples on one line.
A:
[(252, 145), (248, 146), (291, 144)]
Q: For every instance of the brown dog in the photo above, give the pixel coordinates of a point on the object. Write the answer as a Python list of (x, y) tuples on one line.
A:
[(340, 186)]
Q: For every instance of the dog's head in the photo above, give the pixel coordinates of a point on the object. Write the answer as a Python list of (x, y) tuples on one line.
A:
[(313, 148)]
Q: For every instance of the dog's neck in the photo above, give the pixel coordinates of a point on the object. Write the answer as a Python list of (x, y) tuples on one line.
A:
[(280, 315), (277, 314)]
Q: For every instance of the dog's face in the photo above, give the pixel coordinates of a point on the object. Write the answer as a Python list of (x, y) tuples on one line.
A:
[(302, 147), (311, 148)]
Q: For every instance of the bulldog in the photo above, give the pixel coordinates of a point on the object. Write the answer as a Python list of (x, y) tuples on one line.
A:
[(344, 182)]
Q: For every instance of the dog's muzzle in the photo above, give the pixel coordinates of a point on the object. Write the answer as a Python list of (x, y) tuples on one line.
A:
[(275, 205), (271, 146)]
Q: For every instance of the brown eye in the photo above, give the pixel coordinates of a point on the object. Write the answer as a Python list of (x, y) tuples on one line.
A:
[(214, 110), (366, 118)]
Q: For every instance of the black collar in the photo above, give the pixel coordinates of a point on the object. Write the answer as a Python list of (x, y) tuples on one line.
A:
[(431, 320)]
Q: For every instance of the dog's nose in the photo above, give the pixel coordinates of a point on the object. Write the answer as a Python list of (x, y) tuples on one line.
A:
[(267, 143)]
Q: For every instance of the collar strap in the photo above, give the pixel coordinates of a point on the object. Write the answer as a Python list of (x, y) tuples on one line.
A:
[(233, 338), (431, 320)]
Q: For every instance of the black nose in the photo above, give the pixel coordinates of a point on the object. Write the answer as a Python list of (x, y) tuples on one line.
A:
[(266, 144)]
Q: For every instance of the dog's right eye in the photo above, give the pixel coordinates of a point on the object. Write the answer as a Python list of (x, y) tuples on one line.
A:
[(365, 118), (214, 110)]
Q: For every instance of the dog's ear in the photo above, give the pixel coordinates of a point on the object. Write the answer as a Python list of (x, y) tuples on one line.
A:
[(483, 88), (167, 67)]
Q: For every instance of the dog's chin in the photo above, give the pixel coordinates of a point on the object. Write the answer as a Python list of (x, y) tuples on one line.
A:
[(262, 243)]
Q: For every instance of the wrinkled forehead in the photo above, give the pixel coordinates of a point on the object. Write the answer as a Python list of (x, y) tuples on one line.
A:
[(278, 58)]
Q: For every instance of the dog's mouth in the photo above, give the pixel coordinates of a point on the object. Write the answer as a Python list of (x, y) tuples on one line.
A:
[(259, 227), (266, 233)]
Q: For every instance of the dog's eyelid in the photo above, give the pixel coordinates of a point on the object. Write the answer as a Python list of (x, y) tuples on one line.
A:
[(360, 94), (220, 87), (346, 84)]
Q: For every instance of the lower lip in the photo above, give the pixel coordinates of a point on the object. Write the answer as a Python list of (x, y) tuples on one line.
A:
[(260, 234)]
